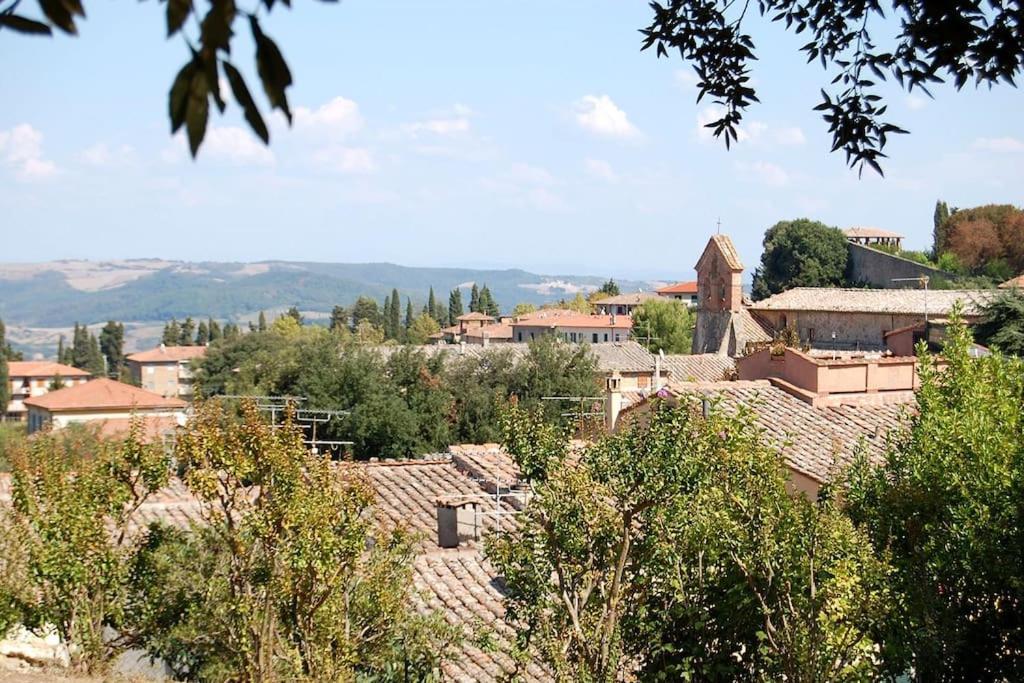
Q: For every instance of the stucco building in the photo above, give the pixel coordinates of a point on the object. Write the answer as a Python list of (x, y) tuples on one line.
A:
[(109, 404), (165, 370), (29, 379), (681, 291)]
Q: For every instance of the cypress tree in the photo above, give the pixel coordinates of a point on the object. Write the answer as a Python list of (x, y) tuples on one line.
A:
[(262, 325), (112, 346), (185, 334), (474, 299), (395, 315), (202, 334), (171, 333), (487, 303), (60, 349), (294, 313), (80, 347), (5, 376), (94, 359), (389, 332), (939, 219), (408, 313), (214, 327), (454, 306), (431, 309)]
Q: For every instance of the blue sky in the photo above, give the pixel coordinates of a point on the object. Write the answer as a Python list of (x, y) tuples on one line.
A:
[(502, 134)]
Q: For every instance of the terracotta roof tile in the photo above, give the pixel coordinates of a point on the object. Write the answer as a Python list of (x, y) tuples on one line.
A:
[(627, 299), (475, 315), (103, 393), (871, 232), (689, 287), (937, 302), (42, 368), (168, 354), (1017, 282), (578, 320), (698, 367)]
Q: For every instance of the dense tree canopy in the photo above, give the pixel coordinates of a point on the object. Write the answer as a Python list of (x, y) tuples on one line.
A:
[(1002, 322), (664, 325), (918, 44), (800, 253), (985, 240), (947, 507)]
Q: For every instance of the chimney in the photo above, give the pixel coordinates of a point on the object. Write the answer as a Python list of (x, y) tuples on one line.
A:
[(613, 318), (453, 515), (462, 347), (486, 339), (656, 380), (613, 401), (163, 347)]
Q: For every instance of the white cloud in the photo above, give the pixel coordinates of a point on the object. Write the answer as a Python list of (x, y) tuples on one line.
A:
[(600, 115), (101, 154), (914, 102), (763, 172), (600, 169), (1004, 144), (339, 117), (346, 159), (527, 186), (450, 126), (21, 149), (236, 145), (754, 132)]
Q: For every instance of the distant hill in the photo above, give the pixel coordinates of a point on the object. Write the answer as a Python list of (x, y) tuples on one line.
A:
[(40, 300)]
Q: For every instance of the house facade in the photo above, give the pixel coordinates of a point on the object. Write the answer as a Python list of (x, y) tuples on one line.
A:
[(573, 327), (109, 404), (681, 291), (165, 370), (622, 304), (29, 379)]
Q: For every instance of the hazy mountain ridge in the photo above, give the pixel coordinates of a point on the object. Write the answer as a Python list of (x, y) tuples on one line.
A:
[(54, 295)]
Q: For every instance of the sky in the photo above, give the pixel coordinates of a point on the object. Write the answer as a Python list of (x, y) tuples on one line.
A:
[(523, 134)]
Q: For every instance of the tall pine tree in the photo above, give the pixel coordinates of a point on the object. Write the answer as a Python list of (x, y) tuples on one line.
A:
[(454, 306), (431, 308), (94, 357), (80, 347), (186, 335), (939, 219), (202, 334), (112, 347), (474, 299), (409, 317), (171, 333), (214, 327), (60, 349), (487, 303), (339, 319), (389, 332), (262, 324), (395, 316)]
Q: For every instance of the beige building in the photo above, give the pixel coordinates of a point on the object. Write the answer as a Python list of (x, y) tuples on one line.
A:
[(165, 370), (622, 304), (571, 326), (109, 404), (872, 237), (681, 291), (30, 379)]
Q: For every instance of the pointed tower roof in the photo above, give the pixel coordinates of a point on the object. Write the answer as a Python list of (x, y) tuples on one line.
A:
[(724, 246)]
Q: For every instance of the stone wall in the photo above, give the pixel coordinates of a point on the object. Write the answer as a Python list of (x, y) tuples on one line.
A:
[(879, 269)]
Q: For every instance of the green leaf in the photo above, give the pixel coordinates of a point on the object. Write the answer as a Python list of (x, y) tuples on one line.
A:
[(197, 112), (272, 69), (177, 13), (178, 97), (209, 59), (215, 31), (244, 99), (57, 13), (23, 25)]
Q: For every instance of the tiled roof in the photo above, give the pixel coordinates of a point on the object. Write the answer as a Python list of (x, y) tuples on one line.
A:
[(698, 367), (689, 287), (871, 232), (153, 427), (42, 368), (499, 331), (627, 356), (1013, 282), (168, 354), (475, 315), (890, 301), (813, 441), (628, 299), (727, 249), (100, 394), (750, 328)]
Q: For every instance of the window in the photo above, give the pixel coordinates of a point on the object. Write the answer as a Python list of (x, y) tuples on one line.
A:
[(150, 369), (606, 336), (520, 336), (595, 337), (810, 335)]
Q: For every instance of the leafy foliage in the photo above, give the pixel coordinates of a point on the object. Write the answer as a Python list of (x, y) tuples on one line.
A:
[(800, 253), (986, 240), (664, 325), (946, 505), (1002, 322), (73, 496), (926, 44), (290, 579), (672, 549)]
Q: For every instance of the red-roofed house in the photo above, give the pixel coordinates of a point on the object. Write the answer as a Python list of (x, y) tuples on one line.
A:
[(165, 370), (683, 291), (573, 327), (34, 378), (110, 403)]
